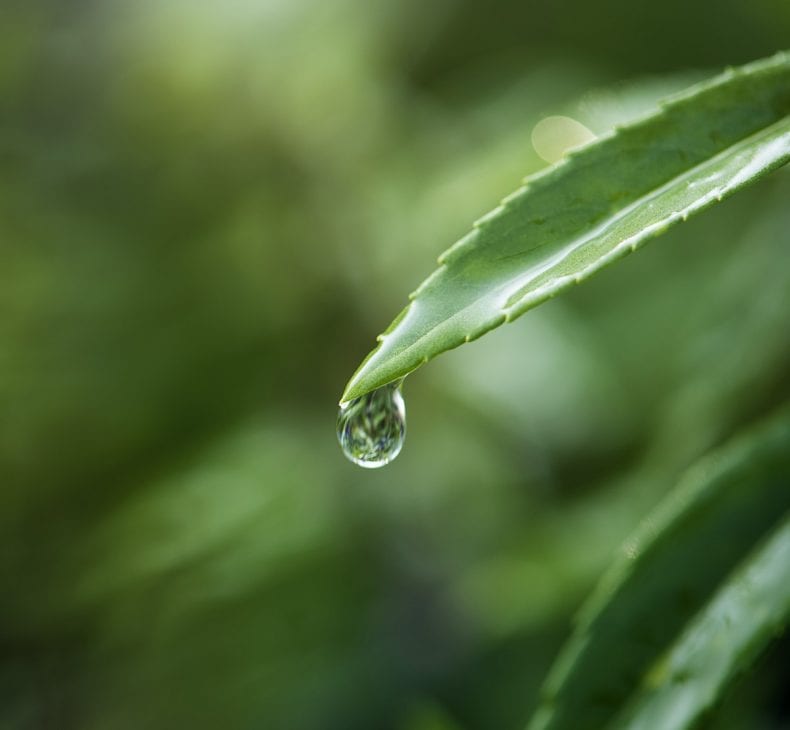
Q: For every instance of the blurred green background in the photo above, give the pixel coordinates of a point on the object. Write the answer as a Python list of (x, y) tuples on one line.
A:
[(207, 212)]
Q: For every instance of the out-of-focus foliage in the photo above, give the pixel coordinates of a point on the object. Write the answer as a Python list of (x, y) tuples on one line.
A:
[(745, 615), (664, 667), (206, 211)]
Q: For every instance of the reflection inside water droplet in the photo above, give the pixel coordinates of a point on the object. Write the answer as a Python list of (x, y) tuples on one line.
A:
[(371, 429)]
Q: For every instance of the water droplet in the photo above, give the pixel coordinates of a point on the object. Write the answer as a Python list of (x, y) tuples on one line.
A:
[(371, 428)]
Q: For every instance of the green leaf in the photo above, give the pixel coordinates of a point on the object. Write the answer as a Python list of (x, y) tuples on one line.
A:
[(666, 574), (600, 203), (748, 611)]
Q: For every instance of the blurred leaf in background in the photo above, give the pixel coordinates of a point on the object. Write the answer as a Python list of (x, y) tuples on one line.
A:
[(207, 211)]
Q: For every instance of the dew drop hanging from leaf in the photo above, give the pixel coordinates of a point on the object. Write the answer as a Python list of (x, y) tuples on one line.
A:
[(371, 429)]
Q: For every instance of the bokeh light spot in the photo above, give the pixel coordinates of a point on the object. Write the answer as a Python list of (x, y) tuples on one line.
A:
[(553, 136)]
